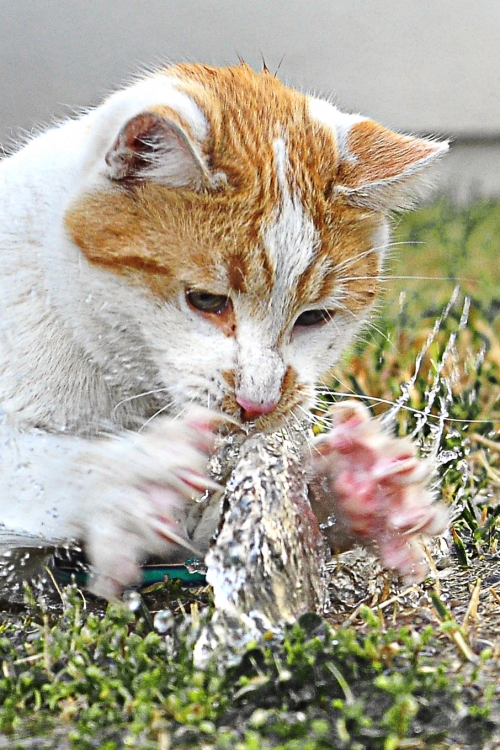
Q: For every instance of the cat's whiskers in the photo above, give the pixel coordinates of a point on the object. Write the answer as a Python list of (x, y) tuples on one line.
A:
[(157, 413), (347, 262), (385, 279), (308, 415), (286, 426), (376, 249), (391, 277), (136, 396), (312, 421), (182, 411), (323, 423), (321, 406), (367, 323), (295, 418), (299, 425)]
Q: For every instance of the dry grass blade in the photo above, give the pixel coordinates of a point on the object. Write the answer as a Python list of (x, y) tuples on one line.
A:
[(471, 613)]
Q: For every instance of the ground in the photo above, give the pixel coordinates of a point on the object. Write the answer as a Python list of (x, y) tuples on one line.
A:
[(391, 666)]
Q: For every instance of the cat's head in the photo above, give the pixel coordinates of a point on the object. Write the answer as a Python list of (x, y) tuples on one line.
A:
[(248, 224)]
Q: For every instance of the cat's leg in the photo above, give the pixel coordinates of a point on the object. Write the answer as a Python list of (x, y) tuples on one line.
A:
[(122, 497), (371, 488)]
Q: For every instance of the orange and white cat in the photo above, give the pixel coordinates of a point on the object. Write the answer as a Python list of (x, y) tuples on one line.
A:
[(205, 237)]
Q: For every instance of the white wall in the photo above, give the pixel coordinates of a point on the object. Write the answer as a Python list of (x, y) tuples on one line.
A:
[(430, 66)]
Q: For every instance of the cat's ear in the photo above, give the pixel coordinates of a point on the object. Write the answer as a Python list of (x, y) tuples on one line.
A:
[(380, 169), (153, 147)]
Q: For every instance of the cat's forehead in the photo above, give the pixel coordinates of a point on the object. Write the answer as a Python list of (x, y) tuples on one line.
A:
[(248, 113), (223, 178), (278, 150)]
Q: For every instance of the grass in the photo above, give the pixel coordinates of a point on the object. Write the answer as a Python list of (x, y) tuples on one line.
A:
[(415, 669), (107, 681), (453, 244)]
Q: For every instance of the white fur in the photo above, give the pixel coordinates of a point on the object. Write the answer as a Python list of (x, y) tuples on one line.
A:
[(291, 239), (340, 122)]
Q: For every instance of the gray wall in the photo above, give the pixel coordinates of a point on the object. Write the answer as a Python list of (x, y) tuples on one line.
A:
[(429, 66)]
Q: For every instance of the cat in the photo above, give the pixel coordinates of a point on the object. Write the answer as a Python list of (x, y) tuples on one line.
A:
[(206, 242)]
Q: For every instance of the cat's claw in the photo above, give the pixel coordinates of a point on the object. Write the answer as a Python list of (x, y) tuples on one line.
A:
[(141, 484), (377, 487)]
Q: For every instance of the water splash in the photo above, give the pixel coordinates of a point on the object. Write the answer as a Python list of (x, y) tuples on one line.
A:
[(163, 621), (132, 600)]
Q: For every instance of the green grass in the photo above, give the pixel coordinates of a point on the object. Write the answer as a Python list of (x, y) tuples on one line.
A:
[(457, 246), (410, 676), (108, 682)]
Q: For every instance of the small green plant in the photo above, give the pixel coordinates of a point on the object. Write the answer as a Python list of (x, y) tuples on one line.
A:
[(107, 680)]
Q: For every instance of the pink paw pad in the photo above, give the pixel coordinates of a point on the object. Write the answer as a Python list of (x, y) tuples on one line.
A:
[(378, 488)]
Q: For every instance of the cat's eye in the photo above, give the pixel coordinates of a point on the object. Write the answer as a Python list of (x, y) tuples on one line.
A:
[(314, 317), (207, 302)]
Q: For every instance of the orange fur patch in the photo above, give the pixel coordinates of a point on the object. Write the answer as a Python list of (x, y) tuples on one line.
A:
[(171, 240), (379, 154)]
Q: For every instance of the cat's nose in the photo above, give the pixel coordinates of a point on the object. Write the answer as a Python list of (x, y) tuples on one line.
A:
[(251, 410)]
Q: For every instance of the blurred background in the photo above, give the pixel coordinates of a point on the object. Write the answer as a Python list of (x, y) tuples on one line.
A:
[(416, 65)]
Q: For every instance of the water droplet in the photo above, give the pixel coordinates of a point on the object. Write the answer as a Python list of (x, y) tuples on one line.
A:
[(132, 599), (195, 566), (330, 521), (445, 457), (163, 621)]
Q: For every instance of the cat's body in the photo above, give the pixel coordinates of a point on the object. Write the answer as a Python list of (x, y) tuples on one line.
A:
[(206, 236)]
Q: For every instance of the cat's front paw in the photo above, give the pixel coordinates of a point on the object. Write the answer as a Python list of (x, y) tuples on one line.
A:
[(373, 491), (140, 485)]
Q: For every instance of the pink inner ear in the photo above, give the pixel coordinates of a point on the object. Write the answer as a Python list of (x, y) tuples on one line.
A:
[(139, 133), (151, 147)]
